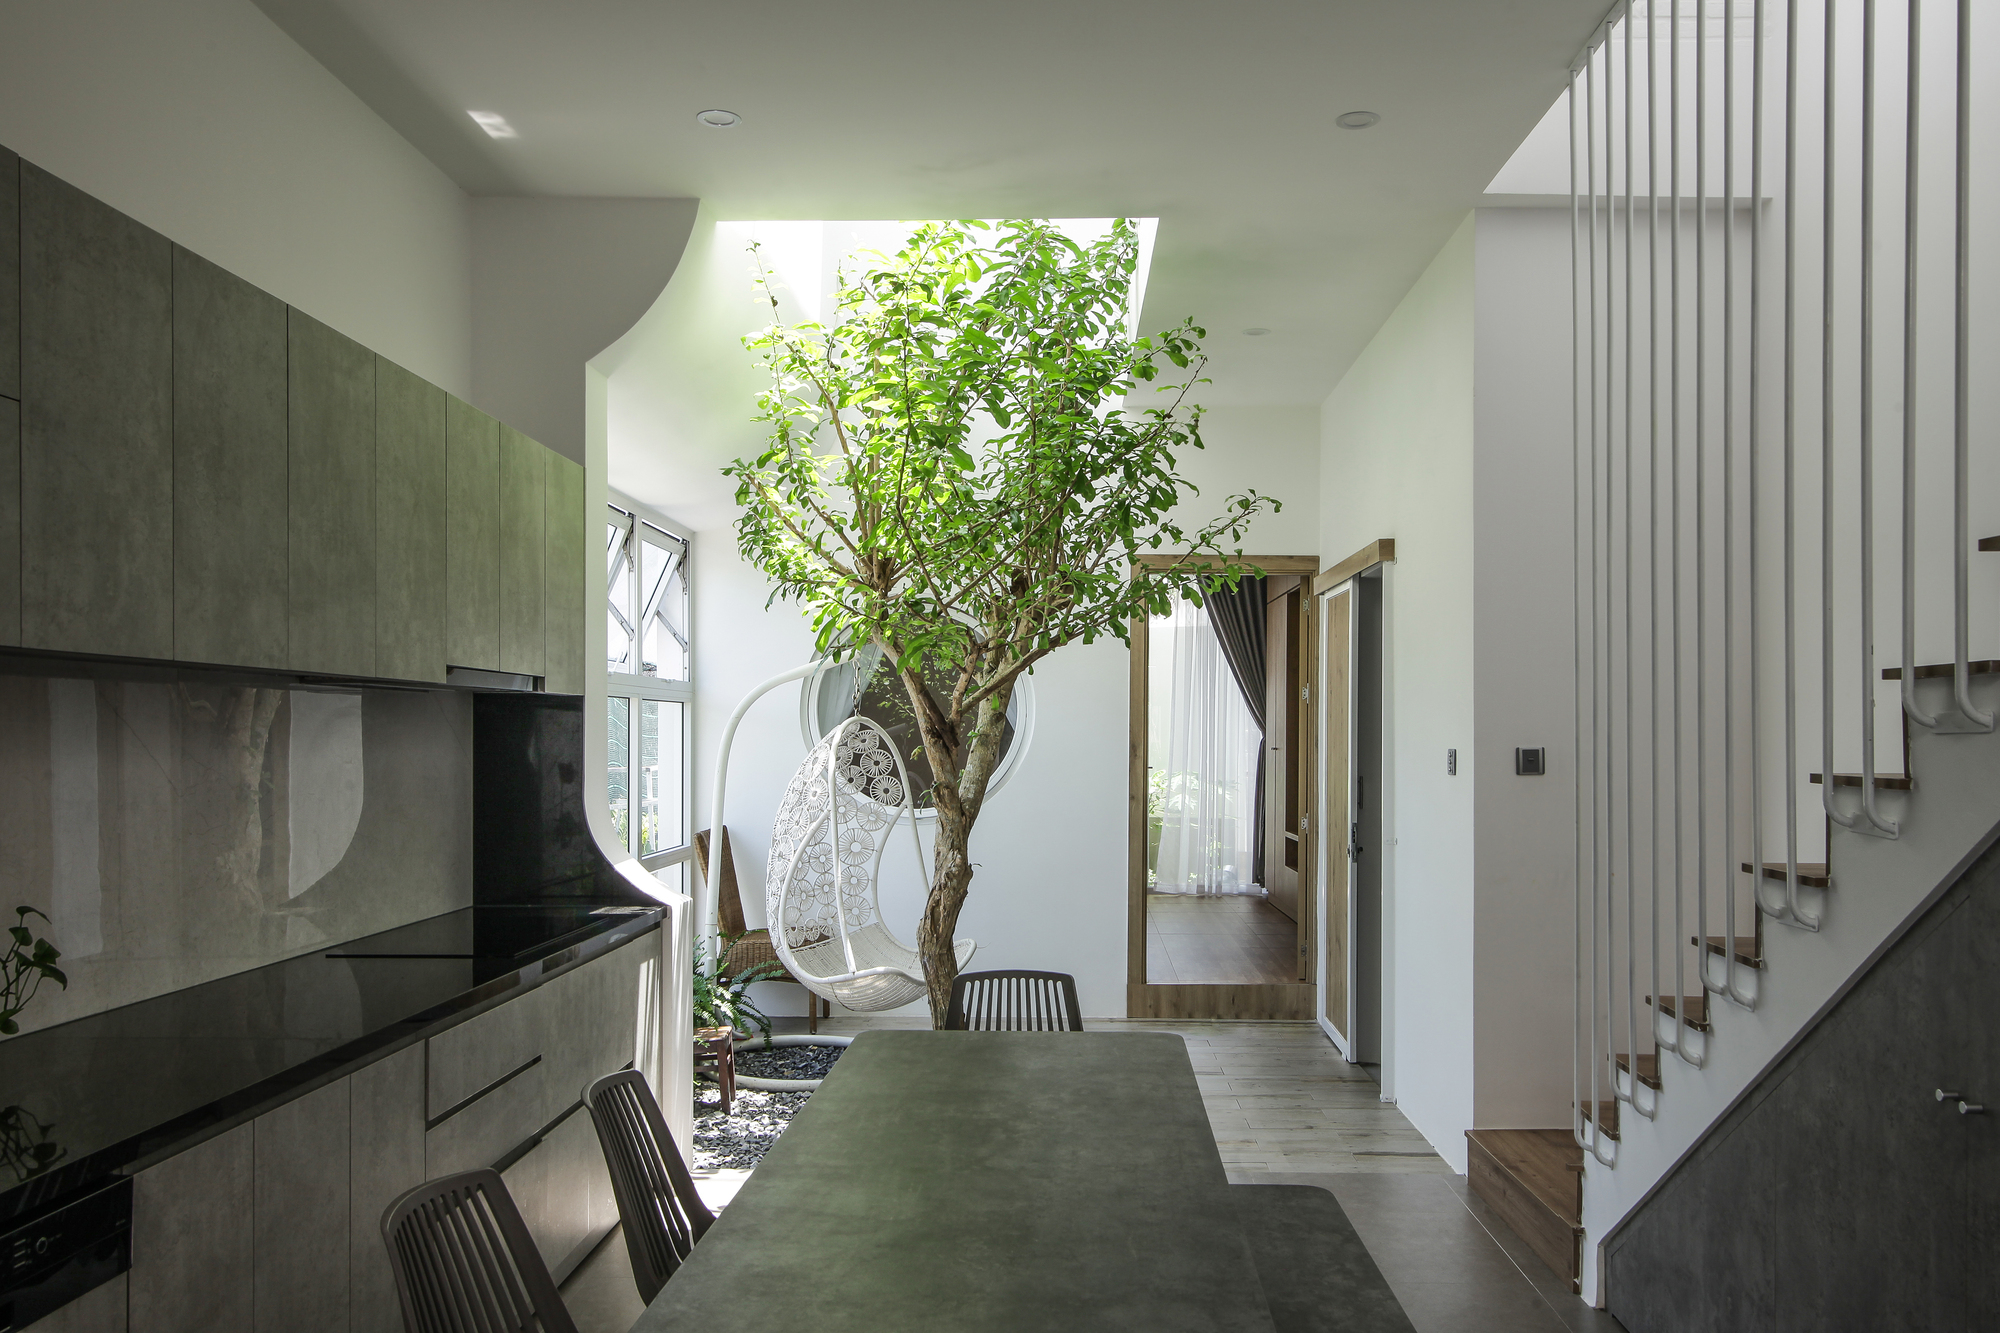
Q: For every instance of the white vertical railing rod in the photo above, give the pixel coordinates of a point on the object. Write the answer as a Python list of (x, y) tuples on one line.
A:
[(1597, 749), (1701, 785), (1874, 817), (1961, 418), (1754, 458), (1674, 463), (1729, 465), (1630, 1087), (1793, 913), (1912, 124), (1828, 237), (1577, 782), (1653, 498)]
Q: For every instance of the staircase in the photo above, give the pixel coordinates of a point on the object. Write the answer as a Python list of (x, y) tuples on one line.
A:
[(1776, 483)]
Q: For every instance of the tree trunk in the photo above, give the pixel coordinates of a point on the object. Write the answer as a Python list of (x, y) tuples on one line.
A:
[(959, 797)]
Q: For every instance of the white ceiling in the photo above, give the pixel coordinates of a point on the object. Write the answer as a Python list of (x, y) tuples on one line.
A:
[(1216, 118)]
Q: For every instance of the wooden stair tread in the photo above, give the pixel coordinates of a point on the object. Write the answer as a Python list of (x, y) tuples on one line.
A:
[(1607, 1118), (1717, 944), (1884, 781), (1533, 1178), (1812, 874), (1989, 543), (1944, 670), (1697, 1009), (1649, 1069)]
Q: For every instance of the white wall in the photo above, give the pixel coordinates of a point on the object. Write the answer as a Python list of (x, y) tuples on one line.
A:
[(1396, 461), (205, 122), (1523, 692)]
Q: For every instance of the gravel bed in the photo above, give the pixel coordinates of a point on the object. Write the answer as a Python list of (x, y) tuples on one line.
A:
[(740, 1139), (788, 1061)]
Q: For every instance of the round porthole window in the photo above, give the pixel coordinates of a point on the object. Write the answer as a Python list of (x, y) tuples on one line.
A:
[(857, 686)]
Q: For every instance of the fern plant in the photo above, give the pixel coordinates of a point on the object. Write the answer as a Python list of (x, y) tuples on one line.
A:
[(722, 999)]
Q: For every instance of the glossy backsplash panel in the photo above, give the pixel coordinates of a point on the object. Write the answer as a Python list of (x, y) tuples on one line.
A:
[(180, 827)]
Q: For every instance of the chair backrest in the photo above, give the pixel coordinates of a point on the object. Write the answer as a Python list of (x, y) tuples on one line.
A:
[(1014, 1002), (662, 1213), (463, 1259)]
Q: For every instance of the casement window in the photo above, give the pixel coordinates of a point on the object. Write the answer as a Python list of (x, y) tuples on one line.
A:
[(649, 688)]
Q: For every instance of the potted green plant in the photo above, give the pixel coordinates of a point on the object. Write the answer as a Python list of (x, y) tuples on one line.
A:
[(28, 962), (953, 477)]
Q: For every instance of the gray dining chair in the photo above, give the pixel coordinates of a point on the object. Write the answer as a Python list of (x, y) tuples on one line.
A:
[(657, 1202), (463, 1259), (1014, 1002)]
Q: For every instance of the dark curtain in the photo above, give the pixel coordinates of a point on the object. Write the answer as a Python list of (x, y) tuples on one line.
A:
[(1238, 618)]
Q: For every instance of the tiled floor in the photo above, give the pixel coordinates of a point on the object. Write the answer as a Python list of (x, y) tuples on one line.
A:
[(1286, 1109), (1218, 940)]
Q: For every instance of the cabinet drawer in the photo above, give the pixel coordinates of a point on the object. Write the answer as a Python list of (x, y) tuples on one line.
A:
[(483, 1132), (481, 1051)]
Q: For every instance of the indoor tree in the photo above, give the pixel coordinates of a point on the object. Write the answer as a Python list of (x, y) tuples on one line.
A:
[(954, 476)]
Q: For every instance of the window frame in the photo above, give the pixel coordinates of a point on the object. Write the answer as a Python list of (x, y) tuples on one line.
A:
[(638, 688)]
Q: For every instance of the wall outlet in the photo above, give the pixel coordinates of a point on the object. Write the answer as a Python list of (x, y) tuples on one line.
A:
[(1531, 763), (1451, 763)]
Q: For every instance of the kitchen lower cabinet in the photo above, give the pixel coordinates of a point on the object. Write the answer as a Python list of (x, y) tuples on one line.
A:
[(302, 1207), (10, 275), (193, 1241), (386, 1106)]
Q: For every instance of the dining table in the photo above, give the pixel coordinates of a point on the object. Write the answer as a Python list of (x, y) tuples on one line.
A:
[(982, 1180)]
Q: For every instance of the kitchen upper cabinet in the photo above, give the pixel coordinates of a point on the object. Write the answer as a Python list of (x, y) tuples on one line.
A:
[(97, 466), (333, 501), (10, 275), (568, 554), (472, 537), (230, 471), (10, 523), (409, 525), (523, 554)]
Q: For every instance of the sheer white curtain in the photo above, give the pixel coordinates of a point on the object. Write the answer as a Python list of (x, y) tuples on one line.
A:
[(1202, 757)]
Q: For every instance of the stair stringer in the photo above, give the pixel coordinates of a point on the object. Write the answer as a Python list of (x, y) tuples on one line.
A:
[(1881, 887)]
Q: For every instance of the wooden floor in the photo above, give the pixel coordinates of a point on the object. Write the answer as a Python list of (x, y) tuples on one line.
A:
[(1193, 939)]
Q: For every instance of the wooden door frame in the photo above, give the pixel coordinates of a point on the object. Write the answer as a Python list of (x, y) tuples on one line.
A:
[(1249, 1000), (1341, 577)]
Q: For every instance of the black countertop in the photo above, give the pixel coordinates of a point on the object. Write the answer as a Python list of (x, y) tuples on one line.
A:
[(116, 1091)]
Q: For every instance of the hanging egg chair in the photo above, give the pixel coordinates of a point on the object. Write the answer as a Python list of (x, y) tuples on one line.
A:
[(822, 893)]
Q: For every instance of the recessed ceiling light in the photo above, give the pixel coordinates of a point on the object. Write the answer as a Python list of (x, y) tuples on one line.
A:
[(718, 119), (1356, 120), (494, 124), (1255, 333)]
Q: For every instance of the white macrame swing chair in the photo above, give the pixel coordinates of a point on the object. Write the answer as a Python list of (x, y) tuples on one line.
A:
[(823, 893)]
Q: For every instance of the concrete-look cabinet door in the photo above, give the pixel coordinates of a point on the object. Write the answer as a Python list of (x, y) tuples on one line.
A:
[(568, 549), (387, 1159), (99, 1310), (10, 275), (192, 1240), (472, 537), (97, 465), (303, 1213), (523, 559), (332, 509), (10, 523), (410, 525), (230, 469)]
